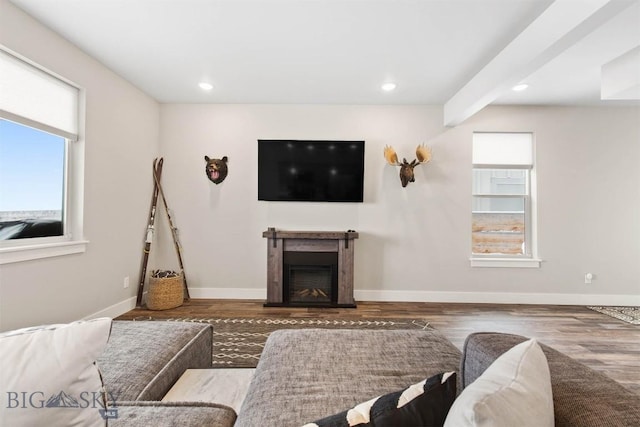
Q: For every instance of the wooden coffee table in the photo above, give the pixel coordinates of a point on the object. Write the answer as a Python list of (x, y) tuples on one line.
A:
[(227, 386)]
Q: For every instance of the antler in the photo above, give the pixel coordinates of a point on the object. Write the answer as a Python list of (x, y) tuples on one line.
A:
[(423, 153), (391, 156)]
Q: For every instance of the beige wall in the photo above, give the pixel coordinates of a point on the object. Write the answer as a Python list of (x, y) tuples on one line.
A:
[(414, 242), (121, 141)]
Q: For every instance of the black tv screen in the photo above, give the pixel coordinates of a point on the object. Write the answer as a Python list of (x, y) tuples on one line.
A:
[(310, 171)]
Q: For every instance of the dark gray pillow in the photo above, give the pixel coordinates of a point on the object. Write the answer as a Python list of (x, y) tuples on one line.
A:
[(425, 404)]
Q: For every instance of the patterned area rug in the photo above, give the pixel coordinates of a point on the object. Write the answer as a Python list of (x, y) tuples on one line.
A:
[(238, 342), (627, 314)]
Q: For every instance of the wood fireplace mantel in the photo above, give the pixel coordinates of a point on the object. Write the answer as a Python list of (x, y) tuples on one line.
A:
[(280, 241)]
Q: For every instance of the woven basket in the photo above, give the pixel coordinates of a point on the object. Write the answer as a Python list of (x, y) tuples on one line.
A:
[(165, 293)]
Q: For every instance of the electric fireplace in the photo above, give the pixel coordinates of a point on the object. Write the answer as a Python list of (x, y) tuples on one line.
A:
[(310, 268)]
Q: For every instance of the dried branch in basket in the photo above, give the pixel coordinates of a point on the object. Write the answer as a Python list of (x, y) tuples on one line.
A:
[(163, 274)]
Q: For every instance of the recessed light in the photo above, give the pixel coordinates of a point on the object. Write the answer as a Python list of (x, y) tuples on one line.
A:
[(388, 87), (205, 86), (520, 87)]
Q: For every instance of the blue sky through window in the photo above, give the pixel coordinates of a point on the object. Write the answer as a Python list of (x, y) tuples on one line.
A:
[(31, 169)]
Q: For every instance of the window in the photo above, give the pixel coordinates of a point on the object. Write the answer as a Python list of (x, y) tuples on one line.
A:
[(40, 163), (502, 200), (32, 182)]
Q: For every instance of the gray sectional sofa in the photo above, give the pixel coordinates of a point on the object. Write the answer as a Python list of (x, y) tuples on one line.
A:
[(307, 374), (582, 397), (141, 363), (304, 375)]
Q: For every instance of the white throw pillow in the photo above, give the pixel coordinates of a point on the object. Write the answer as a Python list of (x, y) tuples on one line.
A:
[(49, 376), (514, 391)]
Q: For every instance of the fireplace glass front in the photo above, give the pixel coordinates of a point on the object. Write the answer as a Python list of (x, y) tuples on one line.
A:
[(310, 278)]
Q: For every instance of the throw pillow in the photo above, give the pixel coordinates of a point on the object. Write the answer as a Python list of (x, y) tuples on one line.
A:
[(49, 376), (514, 391), (423, 404)]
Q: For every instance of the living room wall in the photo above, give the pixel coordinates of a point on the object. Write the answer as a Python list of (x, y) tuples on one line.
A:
[(121, 139), (414, 242)]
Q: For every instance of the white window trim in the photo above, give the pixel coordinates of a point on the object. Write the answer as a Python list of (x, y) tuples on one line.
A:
[(73, 242), (38, 251), (505, 262)]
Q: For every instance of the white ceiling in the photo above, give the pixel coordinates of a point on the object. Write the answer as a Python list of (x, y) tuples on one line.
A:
[(341, 51)]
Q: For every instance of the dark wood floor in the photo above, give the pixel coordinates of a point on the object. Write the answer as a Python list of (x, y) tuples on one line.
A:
[(608, 345)]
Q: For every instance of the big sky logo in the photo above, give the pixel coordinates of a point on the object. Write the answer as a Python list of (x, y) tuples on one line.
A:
[(62, 400), (85, 400)]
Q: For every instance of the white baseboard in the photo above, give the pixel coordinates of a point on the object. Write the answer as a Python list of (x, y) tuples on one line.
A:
[(497, 298), (115, 310), (228, 293)]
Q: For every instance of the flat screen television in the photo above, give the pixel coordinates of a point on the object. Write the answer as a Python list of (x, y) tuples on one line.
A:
[(310, 171)]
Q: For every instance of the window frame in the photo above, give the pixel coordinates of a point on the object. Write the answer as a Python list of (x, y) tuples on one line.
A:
[(72, 241), (529, 258)]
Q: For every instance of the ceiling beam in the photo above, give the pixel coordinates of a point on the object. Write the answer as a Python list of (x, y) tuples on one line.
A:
[(620, 78), (560, 26)]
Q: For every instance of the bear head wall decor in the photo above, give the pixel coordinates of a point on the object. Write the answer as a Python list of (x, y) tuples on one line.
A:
[(216, 169), (423, 155)]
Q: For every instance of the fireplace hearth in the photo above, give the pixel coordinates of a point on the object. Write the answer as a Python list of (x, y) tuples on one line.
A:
[(310, 269)]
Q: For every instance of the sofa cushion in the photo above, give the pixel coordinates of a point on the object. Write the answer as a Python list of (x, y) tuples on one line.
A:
[(144, 359), (309, 374), (581, 396), (49, 375), (514, 391), (160, 414), (423, 404)]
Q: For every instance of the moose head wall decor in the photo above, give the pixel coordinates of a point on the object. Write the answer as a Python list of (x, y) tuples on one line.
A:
[(216, 169), (423, 155)]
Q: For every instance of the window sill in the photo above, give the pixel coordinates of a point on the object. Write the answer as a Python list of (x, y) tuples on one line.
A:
[(38, 251), (506, 262)]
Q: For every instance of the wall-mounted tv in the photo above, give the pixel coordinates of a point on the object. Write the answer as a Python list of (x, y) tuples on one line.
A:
[(310, 171)]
